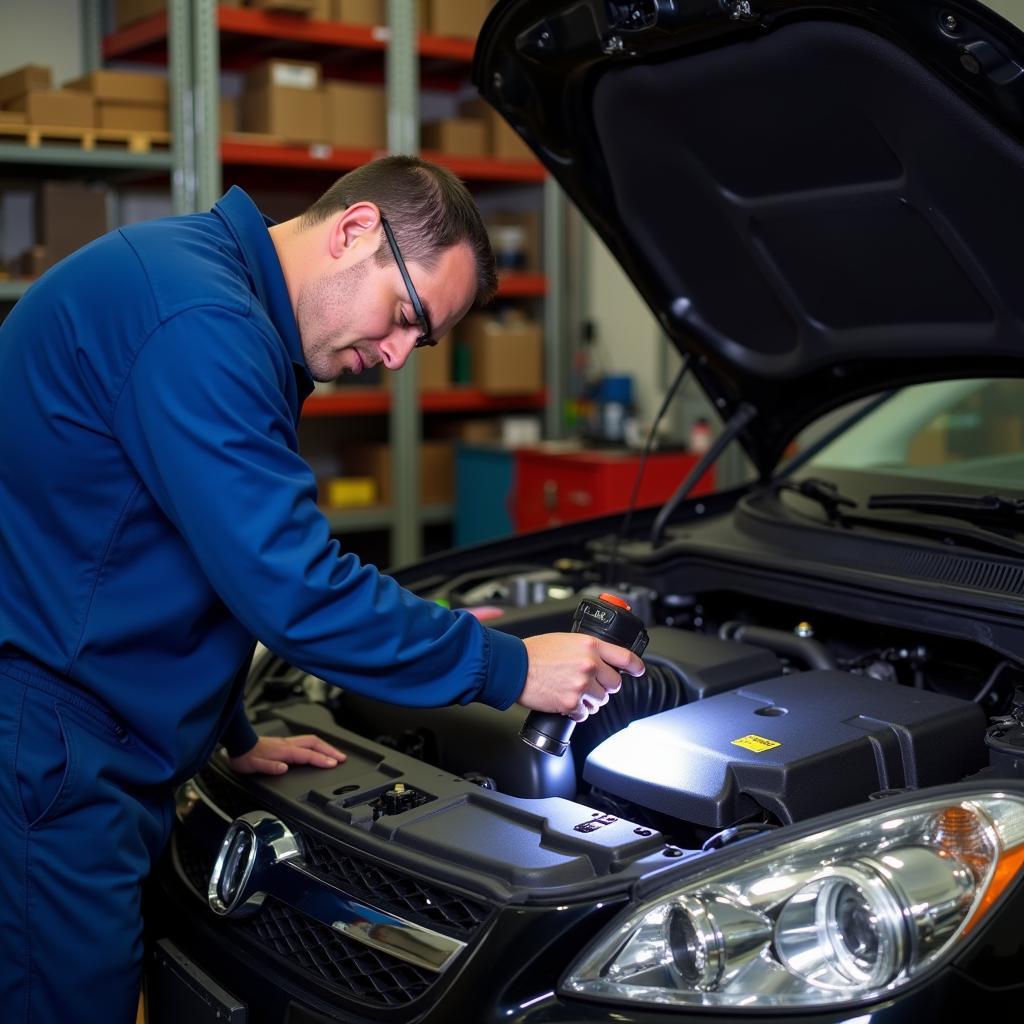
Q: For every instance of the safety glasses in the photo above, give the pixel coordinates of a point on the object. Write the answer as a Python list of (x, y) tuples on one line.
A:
[(426, 335)]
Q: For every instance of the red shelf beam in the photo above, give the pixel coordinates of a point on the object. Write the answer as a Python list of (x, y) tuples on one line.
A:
[(236, 151), (146, 39)]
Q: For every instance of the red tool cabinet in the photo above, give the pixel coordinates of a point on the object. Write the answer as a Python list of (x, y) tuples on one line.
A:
[(555, 487)]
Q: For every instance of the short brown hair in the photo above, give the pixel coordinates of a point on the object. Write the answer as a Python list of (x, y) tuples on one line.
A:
[(429, 210)]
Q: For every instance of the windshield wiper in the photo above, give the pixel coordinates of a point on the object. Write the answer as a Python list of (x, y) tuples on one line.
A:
[(988, 510), (824, 492)]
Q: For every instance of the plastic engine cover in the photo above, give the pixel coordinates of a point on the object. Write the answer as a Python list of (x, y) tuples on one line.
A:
[(796, 746)]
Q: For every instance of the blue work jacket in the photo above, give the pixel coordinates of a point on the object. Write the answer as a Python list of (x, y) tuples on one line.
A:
[(156, 517)]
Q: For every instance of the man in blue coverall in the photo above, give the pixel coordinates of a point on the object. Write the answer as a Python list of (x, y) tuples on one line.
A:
[(156, 519)]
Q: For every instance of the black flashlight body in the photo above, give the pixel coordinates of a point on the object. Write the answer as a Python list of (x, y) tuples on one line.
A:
[(608, 618)]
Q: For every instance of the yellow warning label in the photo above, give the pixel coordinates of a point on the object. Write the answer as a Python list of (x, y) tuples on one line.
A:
[(758, 744)]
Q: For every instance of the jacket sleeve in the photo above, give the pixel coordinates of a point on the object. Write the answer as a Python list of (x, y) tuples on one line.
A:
[(203, 417), (239, 737)]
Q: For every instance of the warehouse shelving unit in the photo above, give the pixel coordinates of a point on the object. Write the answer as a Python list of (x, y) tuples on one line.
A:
[(195, 40)]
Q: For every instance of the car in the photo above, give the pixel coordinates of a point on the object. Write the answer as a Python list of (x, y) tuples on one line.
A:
[(812, 805)]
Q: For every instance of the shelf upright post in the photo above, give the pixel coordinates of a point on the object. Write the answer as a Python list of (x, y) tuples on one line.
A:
[(206, 103), (402, 77), (554, 308), (183, 138), (92, 35)]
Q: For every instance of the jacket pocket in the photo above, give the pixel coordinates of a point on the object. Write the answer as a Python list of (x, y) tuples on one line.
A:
[(44, 762)]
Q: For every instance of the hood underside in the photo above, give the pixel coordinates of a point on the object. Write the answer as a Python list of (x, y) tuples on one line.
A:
[(819, 200)]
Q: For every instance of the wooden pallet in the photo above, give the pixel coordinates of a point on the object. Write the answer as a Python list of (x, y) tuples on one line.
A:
[(36, 135)]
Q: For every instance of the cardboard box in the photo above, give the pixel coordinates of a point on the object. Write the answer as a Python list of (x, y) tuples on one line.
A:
[(355, 114), (68, 216), (228, 114), (64, 108), (436, 469), (284, 74), (30, 78), (123, 87), (293, 115), (127, 11), (33, 262), (360, 12), (291, 6), (456, 136), (458, 17), (503, 141), (135, 117), (515, 239), (506, 352)]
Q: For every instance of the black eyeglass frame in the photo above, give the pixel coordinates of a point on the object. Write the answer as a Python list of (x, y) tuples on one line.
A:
[(426, 338)]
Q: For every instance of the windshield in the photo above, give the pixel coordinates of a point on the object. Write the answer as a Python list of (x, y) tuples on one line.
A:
[(968, 432)]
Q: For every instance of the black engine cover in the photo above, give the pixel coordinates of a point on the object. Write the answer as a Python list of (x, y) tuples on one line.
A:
[(796, 746)]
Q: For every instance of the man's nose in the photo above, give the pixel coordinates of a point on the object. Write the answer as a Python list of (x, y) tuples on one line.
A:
[(396, 349)]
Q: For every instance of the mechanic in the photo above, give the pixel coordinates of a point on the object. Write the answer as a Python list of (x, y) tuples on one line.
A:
[(156, 518)]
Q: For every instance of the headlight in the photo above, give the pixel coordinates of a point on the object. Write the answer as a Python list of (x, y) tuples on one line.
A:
[(845, 914)]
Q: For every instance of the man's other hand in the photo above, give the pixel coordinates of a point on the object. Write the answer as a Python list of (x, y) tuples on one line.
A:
[(273, 754)]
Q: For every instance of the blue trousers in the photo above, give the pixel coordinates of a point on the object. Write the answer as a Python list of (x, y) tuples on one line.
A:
[(80, 827)]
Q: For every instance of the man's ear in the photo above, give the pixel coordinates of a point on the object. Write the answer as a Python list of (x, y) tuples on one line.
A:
[(355, 226)]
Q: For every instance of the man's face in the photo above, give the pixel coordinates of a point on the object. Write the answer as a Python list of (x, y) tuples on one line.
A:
[(359, 314)]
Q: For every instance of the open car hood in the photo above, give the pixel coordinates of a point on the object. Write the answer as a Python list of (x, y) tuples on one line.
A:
[(818, 199)]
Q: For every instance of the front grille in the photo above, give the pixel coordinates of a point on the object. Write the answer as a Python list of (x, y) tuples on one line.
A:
[(382, 887), (317, 953)]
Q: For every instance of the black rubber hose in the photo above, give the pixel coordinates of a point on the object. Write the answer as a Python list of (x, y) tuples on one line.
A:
[(812, 653), (658, 689)]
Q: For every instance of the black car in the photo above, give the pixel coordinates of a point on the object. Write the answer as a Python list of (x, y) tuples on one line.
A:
[(812, 805)]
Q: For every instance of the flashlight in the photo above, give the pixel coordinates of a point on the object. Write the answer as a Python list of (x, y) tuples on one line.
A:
[(608, 618)]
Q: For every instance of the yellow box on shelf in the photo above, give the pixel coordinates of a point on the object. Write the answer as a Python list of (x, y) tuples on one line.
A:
[(351, 491)]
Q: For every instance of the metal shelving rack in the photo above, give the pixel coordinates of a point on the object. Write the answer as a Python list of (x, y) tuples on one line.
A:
[(187, 38)]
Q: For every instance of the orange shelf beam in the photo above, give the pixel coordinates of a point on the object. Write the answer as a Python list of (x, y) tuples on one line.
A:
[(486, 168), (316, 156), (354, 401), (236, 150), (297, 29), (149, 33)]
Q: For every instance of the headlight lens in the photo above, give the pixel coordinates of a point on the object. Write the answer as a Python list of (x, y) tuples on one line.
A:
[(847, 913)]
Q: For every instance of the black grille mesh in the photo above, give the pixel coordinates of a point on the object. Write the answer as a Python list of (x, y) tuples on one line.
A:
[(321, 951), (382, 887), (315, 951), (402, 895)]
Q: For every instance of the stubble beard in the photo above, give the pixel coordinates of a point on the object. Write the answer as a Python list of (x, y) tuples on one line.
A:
[(327, 299)]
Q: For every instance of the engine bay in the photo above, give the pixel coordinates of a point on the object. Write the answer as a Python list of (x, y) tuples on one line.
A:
[(752, 714)]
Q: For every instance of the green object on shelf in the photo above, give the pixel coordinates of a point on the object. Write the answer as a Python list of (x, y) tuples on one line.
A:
[(461, 368)]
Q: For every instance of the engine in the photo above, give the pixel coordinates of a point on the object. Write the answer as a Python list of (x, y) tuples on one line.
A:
[(736, 724)]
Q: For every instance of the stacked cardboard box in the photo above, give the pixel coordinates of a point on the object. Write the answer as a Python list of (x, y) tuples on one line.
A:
[(284, 98), (436, 469), (360, 12), (126, 100), (68, 216), (461, 18), (29, 92), (506, 352), (128, 11), (455, 136), (502, 140), (355, 115)]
